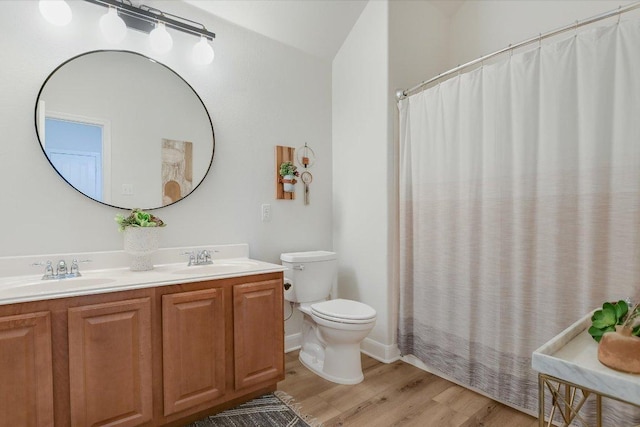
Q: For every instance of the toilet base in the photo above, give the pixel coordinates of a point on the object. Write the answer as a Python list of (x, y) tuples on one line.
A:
[(316, 365)]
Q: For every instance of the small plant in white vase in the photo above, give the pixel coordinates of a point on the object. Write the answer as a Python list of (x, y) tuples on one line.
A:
[(288, 172), (141, 237)]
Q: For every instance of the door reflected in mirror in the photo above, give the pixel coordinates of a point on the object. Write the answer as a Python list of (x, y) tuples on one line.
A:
[(124, 130)]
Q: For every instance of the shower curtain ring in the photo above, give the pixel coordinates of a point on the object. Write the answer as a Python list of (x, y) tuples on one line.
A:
[(619, 13), (575, 29), (510, 51), (539, 40)]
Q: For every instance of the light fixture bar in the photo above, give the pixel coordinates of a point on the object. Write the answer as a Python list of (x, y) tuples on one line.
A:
[(150, 16)]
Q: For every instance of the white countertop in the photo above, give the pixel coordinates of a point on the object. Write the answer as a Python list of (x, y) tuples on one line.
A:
[(229, 261), (572, 356)]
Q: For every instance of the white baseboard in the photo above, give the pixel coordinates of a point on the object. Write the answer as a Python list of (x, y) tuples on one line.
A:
[(292, 342), (381, 352)]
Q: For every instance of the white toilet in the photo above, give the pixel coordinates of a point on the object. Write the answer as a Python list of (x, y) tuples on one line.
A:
[(332, 329)]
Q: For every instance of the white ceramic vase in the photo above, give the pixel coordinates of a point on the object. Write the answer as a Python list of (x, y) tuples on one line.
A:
[(287, 183), (141, 243)]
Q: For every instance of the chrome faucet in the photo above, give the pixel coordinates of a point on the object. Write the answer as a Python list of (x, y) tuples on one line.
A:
[(75, 270), (62, 269), (202, 257), (48, 271), (192, 258)]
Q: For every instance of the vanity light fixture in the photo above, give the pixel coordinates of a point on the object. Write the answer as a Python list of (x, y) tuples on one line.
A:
[(112, 26), (56, 12), (202, 52), (155, 23), (160, 39)]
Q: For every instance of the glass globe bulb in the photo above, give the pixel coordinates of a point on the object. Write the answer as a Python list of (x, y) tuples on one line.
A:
[(202, 52), (56, 12), (160, 39), (112, 26)]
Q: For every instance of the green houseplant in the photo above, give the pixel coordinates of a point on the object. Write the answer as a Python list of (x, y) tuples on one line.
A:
[(288, 172), (138, 218), (618, 339), (611, 315), (141, 237)]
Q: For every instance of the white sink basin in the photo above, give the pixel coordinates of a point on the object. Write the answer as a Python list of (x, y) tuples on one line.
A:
[(89, 281), (43, 287), (70, 282), (222, 267)]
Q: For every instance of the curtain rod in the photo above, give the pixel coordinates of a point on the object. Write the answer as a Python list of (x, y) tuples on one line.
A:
[(400, 94)]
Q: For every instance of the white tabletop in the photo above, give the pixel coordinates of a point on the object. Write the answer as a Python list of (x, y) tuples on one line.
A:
[(572, 356)]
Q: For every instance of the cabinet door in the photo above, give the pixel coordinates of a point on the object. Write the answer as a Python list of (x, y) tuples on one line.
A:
[(193, 348), (26, 375), (258, 332), (110, 363)]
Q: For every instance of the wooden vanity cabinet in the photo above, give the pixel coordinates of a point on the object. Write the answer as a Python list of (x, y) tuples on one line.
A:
[(222, 343), (157, 356), (26, 372)]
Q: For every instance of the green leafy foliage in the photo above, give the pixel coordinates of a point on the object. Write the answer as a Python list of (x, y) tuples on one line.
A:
[(606, 319), (288, 168), (138, 218)]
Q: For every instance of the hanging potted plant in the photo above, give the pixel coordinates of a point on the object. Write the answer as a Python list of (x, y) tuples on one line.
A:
[(288, 173), (141, 237)]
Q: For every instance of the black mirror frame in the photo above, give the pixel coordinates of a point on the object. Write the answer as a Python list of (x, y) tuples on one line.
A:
[(152, 60)]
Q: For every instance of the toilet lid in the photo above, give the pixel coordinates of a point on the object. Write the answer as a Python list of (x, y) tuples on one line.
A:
[(344, 310)]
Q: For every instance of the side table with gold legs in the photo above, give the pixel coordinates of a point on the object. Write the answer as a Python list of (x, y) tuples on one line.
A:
[(570, 373), (565, 401)]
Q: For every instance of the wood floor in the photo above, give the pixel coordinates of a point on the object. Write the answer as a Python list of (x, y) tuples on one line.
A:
[(396, 394)]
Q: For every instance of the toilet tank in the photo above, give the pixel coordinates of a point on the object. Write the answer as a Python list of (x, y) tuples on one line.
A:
[(311, 274)]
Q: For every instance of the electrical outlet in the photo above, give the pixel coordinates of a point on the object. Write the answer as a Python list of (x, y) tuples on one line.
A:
[(266, 213), (127, 189)]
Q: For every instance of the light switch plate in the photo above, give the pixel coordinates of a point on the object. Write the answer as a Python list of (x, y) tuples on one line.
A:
[(266, 212)]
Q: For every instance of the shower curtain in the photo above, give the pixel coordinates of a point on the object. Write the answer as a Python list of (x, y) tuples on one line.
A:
[(519, 207)]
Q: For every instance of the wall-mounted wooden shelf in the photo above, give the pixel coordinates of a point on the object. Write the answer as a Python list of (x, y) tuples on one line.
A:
[(283, 154)]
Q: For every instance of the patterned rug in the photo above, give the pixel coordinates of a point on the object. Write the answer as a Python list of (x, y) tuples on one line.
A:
[(276, 409)]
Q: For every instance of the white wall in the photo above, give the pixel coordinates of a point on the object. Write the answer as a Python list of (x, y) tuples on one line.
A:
[(481, 27), (418, 46), (360, 144), (259, 94), (419, 42), (392, 45)]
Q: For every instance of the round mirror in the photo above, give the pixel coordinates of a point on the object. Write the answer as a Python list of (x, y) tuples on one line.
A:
[(124, 130)]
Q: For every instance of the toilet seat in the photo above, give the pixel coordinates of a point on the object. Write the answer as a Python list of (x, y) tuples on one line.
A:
[(344, 311)]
